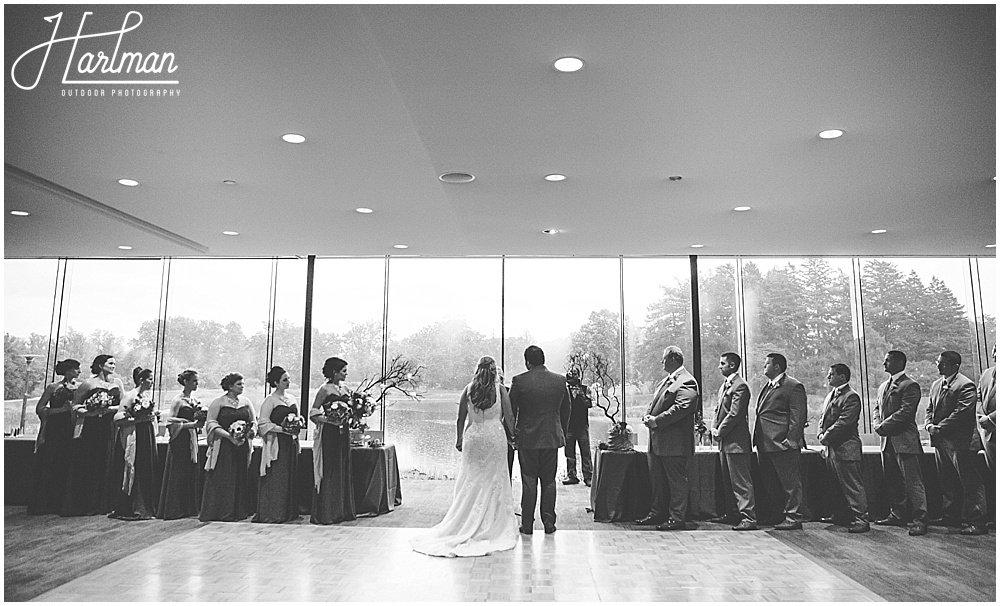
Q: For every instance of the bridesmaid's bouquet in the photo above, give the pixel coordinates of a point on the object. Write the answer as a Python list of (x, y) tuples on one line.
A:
[(200, 416), (293, 423), (240, 430), (336, 409), (142, 409), (99, 400)]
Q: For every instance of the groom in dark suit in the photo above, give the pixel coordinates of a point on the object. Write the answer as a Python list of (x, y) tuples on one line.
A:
[(540, 401)]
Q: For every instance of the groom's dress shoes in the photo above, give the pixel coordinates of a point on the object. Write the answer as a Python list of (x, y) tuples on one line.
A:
[(569, 481), (550, 529), (524, 530), (671, 524), (648, 521)]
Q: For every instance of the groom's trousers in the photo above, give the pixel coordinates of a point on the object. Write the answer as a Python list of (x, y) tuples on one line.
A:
[(538, 465)]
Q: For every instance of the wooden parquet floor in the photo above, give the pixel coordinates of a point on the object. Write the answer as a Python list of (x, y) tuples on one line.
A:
[(47, 558)]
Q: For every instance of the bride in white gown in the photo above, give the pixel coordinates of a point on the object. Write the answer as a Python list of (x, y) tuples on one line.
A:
[(481, 517)]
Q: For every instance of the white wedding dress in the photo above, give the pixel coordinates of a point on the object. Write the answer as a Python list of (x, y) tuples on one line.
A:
[(481, 517)]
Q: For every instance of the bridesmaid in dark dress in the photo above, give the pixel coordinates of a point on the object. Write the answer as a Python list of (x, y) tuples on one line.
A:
[(333, 491), (55, 438), (280, 454), (135, 493), (180, 492), (94, 406), (227, 481)]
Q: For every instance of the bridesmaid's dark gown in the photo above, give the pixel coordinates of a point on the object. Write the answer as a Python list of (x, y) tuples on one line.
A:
[(87, 483), (227, 487), (53, 456), (140, 502), (180, 492), (335, 500), (276, 491)]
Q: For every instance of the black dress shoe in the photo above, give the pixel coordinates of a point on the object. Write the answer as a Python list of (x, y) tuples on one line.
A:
[(550, 529), (671, 524), (524, 530), (648, 521), (789, 525), (569, 481), (745, 525), (858, 527), (891, 521), (587, 482), (918, 528), (974, 530)]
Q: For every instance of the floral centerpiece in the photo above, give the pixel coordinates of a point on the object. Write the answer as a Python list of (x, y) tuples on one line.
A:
[(401, 375), (360, 406)]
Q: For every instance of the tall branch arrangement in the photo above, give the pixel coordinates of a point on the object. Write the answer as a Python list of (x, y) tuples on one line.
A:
[(401, 375), (596, 369)]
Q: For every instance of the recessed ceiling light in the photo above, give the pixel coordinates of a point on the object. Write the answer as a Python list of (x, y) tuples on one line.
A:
[(550, 232), (400, 246), (568, 64), (833, 133), (123, 247), (128, 182), (675, 177), (228, 182), (555, 177), (697, 246), (230, 233), (364, 211), (879, 231), (741, 209), (457, 177), (20, 213), (293, 138)]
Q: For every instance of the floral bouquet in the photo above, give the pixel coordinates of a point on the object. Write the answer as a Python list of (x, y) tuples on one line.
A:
[(200, 416), (240, 430), (99, 400), (360, 407), (336, 409), (293, 423), (142, 409)]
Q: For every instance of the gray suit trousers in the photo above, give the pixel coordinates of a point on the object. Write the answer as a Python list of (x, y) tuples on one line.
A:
[(786, 464), (668, 476), (904, 482), (737, 485), (849, 478)]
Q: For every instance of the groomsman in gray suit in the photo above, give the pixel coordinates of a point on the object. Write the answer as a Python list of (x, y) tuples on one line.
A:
[(895, 420), (838, 433), (951, 423), (732, 431), (540, 402), (778, 433), (670, 419)]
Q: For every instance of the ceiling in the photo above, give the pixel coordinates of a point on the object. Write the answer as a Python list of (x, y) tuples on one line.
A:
[(730, 98)]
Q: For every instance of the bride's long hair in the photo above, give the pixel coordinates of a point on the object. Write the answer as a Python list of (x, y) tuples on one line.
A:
[(482, 392)]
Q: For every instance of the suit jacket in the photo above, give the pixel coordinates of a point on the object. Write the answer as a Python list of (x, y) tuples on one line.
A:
[(895, 417), (731, 417), (674, 406), (986, 408), (540, 401), (781, 417), (954, 411), (838, 426)]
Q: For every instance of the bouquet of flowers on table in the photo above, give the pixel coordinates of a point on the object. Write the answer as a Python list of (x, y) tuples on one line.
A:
[(241, 430), (99, 400), (360, 407), (292, 423)]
